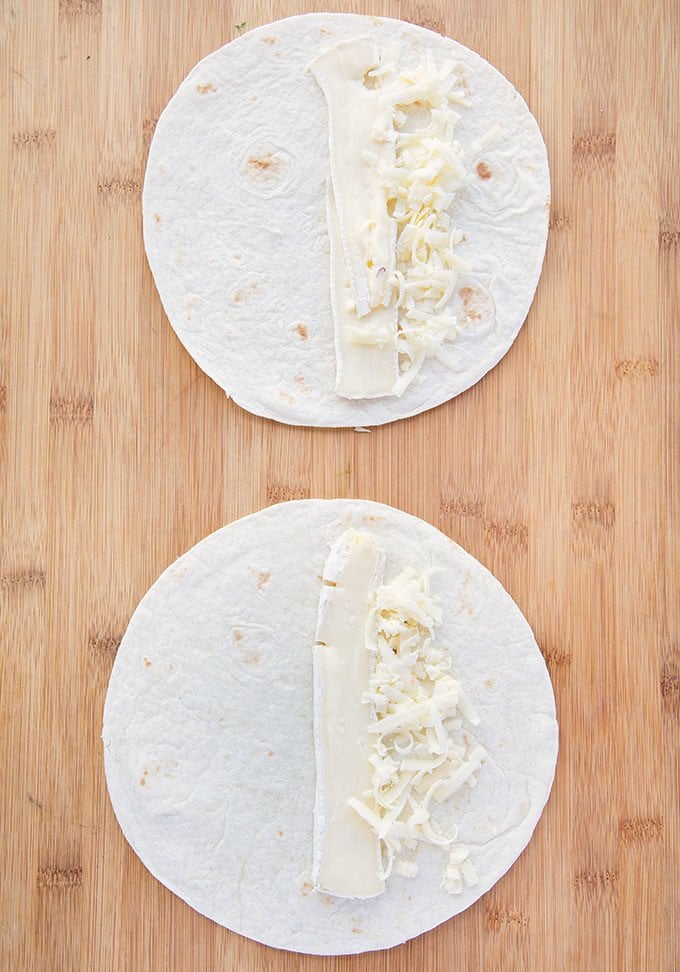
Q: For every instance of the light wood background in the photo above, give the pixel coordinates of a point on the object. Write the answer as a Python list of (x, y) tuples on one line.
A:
[(559, 471)]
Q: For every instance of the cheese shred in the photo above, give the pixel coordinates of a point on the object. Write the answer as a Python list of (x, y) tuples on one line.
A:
[(420, 188), (420, 754)]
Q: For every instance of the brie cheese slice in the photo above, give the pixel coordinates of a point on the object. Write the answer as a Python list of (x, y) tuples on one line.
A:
[(363, 234), (347, 851)]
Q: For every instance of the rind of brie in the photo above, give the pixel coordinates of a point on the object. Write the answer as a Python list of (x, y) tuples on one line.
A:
[(347, 853)]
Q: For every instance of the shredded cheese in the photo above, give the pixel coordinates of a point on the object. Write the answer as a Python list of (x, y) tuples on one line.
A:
[(420, 187), (460, 871), (420, 753)]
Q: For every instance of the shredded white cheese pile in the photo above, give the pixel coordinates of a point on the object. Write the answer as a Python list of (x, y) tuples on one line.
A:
[(420, 753), (419, 189)]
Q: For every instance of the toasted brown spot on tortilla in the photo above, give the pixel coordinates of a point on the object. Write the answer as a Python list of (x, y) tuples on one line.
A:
[(489, 683), (262, 579), (206, 88), (306, 888), (468, 295), (238, 635), (302, 331), (357, 930), (483, 170), (280, 833), (270, 752), (632, 367), (142, 782), (157, 217), (285, 397), (270, 40), (460, 73), (264, 162), (147, 663), (240, 295), (252, 658)]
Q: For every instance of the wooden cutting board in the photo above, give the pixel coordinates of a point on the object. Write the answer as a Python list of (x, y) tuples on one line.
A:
[(559, 471)]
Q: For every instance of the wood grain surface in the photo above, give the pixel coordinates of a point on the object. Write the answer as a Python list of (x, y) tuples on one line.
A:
[(559, 471)]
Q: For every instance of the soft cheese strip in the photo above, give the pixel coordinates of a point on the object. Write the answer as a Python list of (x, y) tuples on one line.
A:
[(365, 349), (346, 850), (363, 234), (355, 112)]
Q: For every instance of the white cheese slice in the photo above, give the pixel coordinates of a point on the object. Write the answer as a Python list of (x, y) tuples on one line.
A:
[(347, 852), (366, 352), (355, 112), (363, 234)]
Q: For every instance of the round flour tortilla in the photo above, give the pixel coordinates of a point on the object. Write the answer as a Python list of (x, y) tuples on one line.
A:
[(235, 219), (208, 728)]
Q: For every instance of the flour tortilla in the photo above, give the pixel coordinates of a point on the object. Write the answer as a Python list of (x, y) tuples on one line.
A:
[(235, 219), (208, 728)]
